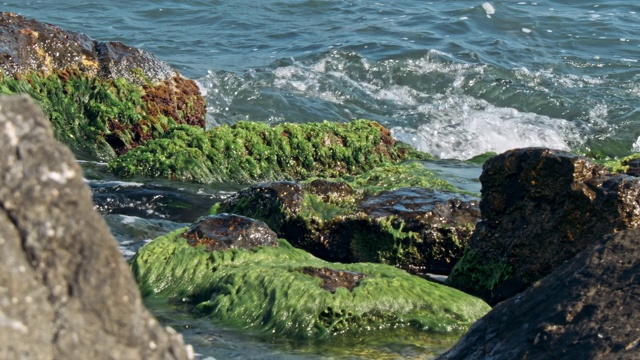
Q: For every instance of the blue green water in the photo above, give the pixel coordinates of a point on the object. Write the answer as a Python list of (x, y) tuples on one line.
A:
[(454, 78)]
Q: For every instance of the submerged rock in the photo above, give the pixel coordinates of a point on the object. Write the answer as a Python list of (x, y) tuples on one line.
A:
[(417, 229), (102, 98), (540, 207), (588, 308), (250, 152), (65, 290), (289, 292), (228, 231)]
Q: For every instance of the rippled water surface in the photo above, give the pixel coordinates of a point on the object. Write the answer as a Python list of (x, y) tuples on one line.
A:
[(454, 78)]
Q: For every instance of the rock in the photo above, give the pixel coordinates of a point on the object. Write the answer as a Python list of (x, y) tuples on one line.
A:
[(540, 207), (588, 308), (288, 292), (417, 229), (30, 46), (103, 98), (228, 231), (65, 290), (252, 152)]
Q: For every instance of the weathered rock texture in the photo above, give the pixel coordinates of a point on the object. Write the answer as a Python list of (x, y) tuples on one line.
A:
[(65, 291), (228, 231), (540, 207), (589, 308), (30, 46)]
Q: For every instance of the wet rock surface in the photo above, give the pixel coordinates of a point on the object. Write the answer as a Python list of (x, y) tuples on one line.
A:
[(588, 308), (540, 207), (65, 290), (228, 231)]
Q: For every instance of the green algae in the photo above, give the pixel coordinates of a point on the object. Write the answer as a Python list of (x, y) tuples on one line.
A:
[(98, 118), (395, 176), (618, 166), (477, 275), (248, 152), (264, 288), (82, 110)]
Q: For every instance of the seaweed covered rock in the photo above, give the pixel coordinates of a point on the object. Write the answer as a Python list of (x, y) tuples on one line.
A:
[(289, 292), (65, 291), (419, 229), (540, 207), (587, 308), (249, 152), (103, 98)]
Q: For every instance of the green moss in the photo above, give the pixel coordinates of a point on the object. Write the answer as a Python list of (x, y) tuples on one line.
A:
[(97, 118), (248, 152), (480, 159), (620, 165), (265, 288), (394, 176), (477, 275)]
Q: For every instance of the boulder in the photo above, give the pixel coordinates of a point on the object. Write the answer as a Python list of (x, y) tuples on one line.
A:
[(228, 231), (103, 98), (288, 292), (588, 308), (540, 207), (419, 229), (65, 290)]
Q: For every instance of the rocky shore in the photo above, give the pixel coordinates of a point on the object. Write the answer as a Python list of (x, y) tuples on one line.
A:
[(332, 234)]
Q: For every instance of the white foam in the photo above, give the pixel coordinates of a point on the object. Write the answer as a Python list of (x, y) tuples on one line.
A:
[(461, 127), (488, 9)]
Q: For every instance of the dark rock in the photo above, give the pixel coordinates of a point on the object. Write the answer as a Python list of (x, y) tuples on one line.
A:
[(272, 202), (228, 231), (65, 290), (329, 190), (28, 45), (540, 207), (333, 279), (588, 308), (419, 230)]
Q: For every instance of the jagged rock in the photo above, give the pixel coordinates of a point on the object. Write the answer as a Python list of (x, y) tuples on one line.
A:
[(103, 98), (540, 207), (65, 290), (420, 230), (588, 308), (228, 231)]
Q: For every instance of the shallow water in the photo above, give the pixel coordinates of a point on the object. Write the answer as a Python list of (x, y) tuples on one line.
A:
[(454, 78)]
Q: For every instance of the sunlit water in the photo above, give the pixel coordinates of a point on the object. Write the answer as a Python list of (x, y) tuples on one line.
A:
[(453, 78)]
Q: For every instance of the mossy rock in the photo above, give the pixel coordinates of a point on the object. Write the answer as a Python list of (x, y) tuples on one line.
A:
[(103, 118), (283, 290), (400, 215), (249, 152)]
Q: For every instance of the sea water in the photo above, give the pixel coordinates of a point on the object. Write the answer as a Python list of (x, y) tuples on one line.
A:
[(454, 78)]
